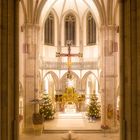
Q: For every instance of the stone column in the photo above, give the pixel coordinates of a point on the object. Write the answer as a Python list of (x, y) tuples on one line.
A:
[(30, 74), (109, 76), (130, 69), (9, 80)]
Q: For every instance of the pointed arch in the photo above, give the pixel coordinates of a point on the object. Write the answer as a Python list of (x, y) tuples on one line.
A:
[(109, 12), (90, 29), (70, 28), (73, 73), (35, 10), (84, 79), (101, 10), (78, 82), (55, 78), (49, 30), (62, 25), (116, 9), (24, 10), (40, 9), (95, 3)]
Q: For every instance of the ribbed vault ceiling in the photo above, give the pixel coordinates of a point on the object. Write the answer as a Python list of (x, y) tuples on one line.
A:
[(79, 7)]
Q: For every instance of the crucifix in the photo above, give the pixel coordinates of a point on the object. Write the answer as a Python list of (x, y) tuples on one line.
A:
[(69, 55)]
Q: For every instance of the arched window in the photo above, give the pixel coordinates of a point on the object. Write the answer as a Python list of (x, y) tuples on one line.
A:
[(91, 30), (70, 22), (49, 30)]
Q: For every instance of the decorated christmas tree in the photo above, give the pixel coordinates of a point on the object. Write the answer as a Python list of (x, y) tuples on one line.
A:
[(93, 110), (46, 108)]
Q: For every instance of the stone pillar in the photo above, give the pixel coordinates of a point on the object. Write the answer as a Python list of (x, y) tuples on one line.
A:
[(30, 74), (9, 80), (130, 69), (109, 76)]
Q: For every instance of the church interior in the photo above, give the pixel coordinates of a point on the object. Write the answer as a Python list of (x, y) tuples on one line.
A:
[(73, 70), (69, 65)]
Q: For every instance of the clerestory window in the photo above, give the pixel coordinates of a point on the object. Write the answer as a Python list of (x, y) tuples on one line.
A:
[(91, 30), (70, 31), (49, 30)]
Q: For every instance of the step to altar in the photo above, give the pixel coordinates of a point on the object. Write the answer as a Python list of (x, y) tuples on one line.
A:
[(72, 115)]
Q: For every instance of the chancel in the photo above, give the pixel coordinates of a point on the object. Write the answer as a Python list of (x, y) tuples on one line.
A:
[(70, 100)]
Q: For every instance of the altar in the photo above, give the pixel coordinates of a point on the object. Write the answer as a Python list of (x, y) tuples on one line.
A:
[(70, 107)]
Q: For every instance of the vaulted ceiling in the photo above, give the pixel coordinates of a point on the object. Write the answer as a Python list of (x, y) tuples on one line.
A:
[(104, 11), (61, 7)]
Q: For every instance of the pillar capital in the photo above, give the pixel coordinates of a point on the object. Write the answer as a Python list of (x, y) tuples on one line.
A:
[(111, 27), (27, 25)]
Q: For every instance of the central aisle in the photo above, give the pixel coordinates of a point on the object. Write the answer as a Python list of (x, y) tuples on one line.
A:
[(68, 115), (71, 121)]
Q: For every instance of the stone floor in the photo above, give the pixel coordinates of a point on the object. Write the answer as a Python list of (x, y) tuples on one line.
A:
[(74, 136), (72, 121), (72, 127)]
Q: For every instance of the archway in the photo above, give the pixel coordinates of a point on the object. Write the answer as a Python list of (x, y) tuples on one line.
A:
[(54, 77), (75, 81), (50, 85)]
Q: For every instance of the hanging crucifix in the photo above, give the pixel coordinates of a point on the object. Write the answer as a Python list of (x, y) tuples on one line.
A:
[(69, 55)]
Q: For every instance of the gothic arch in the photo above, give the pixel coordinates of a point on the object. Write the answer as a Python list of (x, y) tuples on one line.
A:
[(91, 29), (84, 79), (56, 26), (55, 78), (109, 13), (101, 10), (54, 13), (72, 12), (24, 10), (40, 8), (77, 26), (70, 32), (95, 3), (49, 30), (116, 9), (78, 83), (85, 15), (84, 24)]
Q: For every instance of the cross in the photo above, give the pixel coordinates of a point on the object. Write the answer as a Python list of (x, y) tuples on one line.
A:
[(69, 55)]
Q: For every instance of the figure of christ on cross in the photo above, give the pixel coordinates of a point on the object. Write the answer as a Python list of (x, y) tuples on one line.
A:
[(69, 55)]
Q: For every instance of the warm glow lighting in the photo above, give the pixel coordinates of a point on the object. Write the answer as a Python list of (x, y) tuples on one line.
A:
[(61, 6), (70, 83)]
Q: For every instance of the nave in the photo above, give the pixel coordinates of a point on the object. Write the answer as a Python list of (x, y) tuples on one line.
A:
[(68, 66)]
